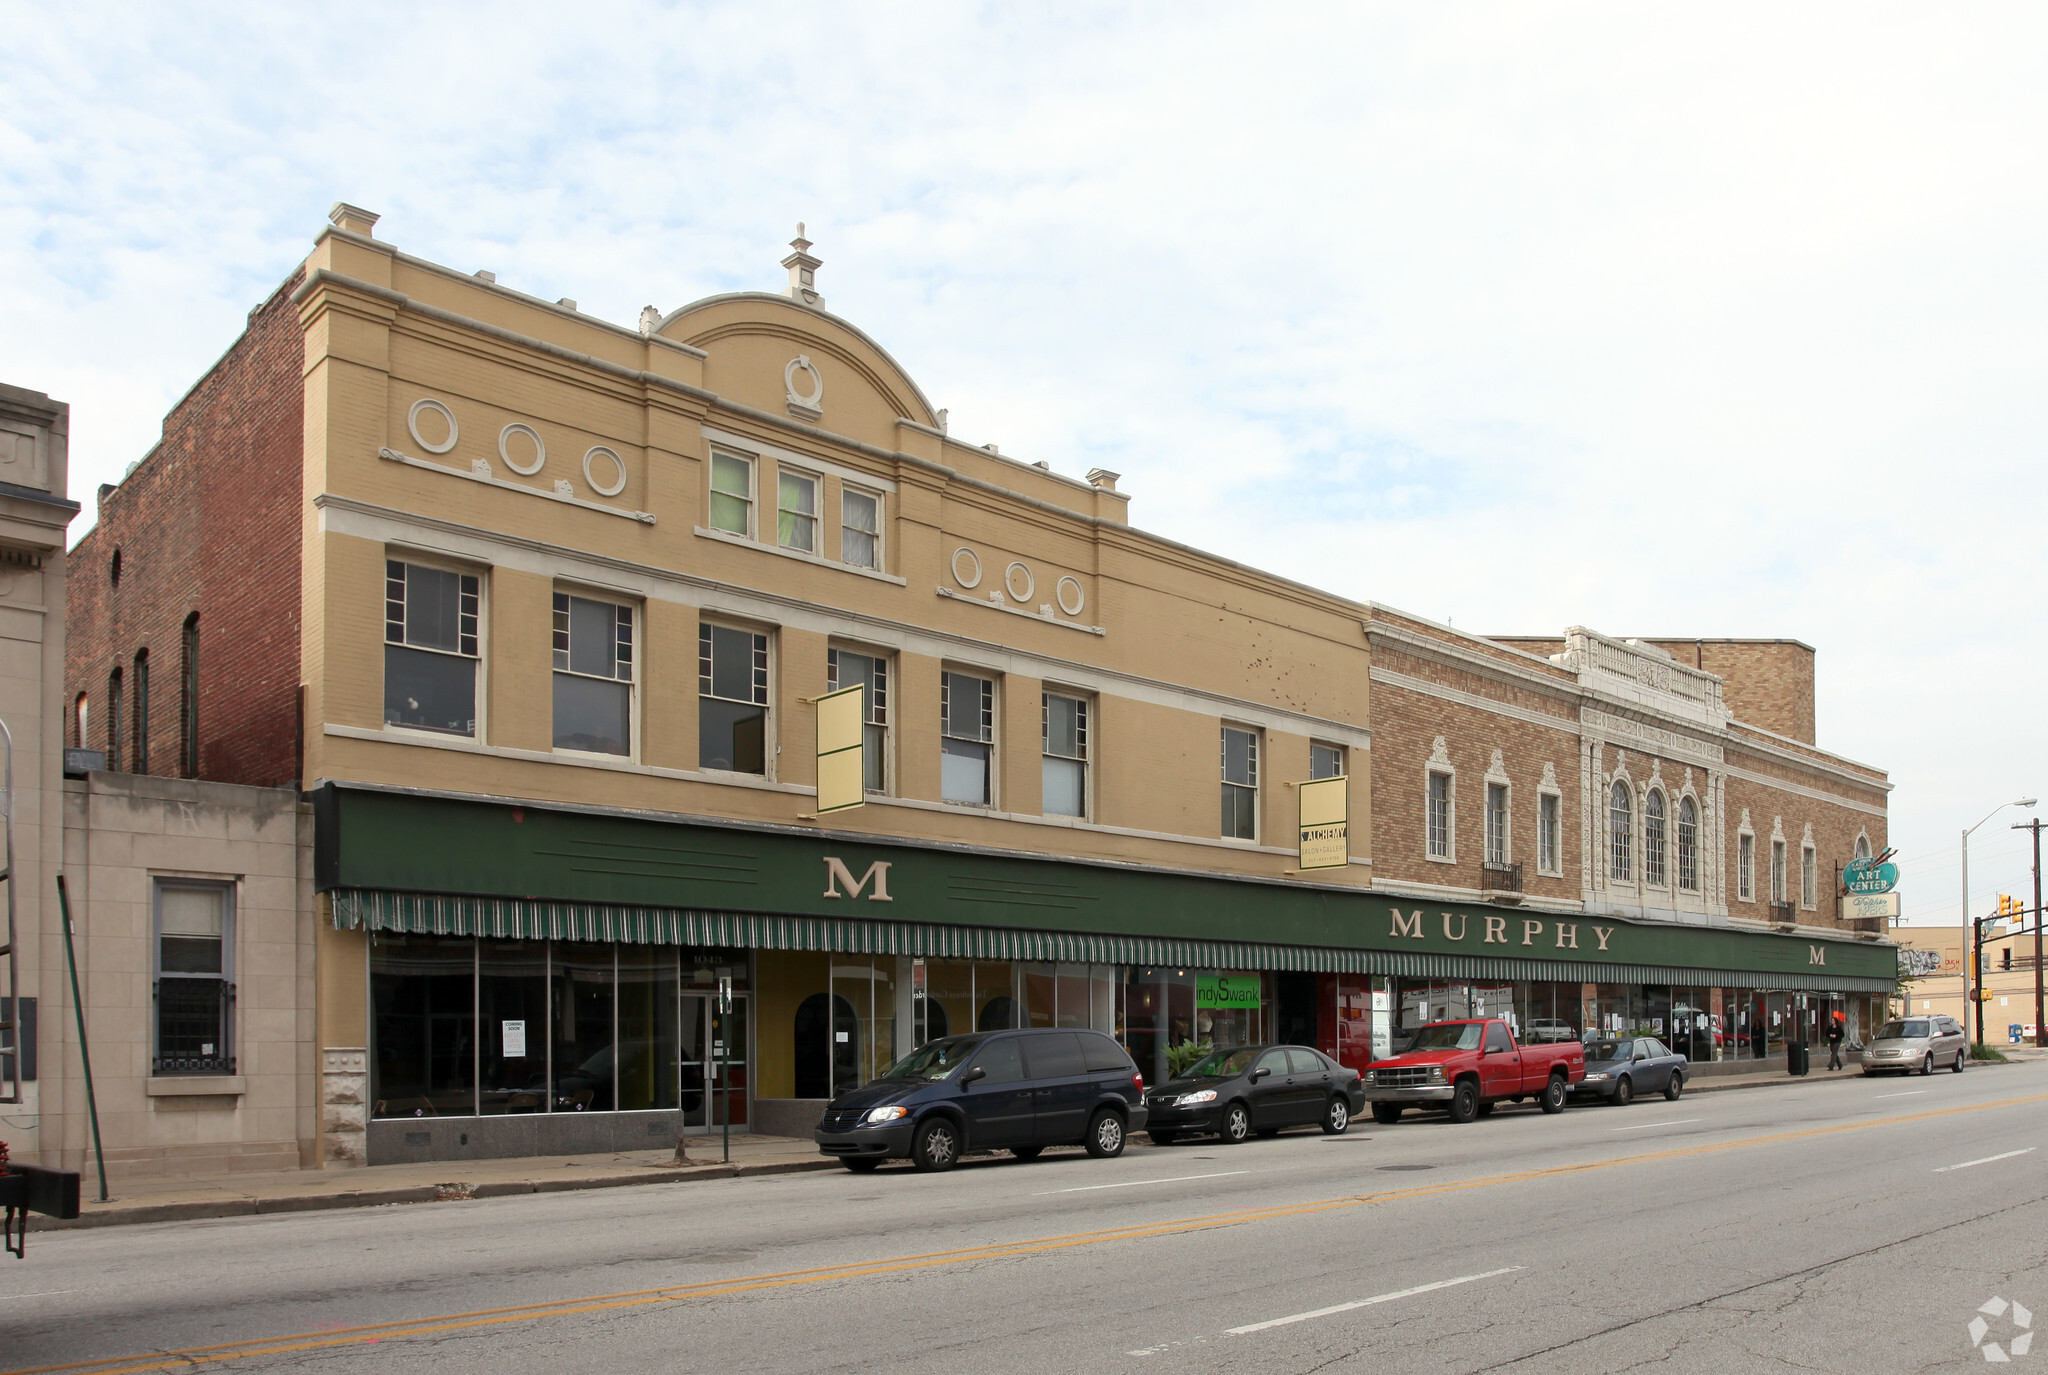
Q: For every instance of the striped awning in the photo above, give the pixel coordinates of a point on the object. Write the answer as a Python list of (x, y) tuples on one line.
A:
[(436, 914)]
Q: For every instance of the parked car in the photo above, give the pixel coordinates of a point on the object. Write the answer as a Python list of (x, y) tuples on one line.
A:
[(1019, 1091), (1550, 1031), (1923, 1043), (1255, 1089), (1469, 1066), (1619, 1070)]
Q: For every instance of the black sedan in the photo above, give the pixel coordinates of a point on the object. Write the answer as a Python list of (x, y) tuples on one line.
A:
[(1260, 1090)]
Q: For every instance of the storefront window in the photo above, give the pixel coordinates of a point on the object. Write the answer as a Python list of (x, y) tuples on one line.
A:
[(649, 1053), (580, 1002), (421, 991), (512, 1001)]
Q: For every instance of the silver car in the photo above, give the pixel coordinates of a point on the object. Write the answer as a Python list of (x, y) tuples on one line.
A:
[(1923, 1043)]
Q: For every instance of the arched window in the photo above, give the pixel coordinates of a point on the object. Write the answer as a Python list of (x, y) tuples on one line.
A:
[(141, 690), (188, 702), (80, 726), (1653, 837), (828, 1043), (1863, 847), (1688, 845), (1620, 829), (114, 720)]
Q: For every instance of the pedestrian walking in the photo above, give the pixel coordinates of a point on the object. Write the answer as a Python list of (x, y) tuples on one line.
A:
[(1835, 1030)]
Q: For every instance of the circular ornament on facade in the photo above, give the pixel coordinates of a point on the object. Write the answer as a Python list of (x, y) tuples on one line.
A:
[(540, 449), (618, 482), (412, 425), (1069, 594), (971, 578), (803, 363), (1010, 581)]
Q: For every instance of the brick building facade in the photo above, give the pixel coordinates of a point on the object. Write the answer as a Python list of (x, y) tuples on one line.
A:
[(538, 609)]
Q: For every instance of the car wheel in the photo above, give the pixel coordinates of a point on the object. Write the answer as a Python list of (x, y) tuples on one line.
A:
[(1624, 1091), (1674, 1088), (1164, 1138), (861, 1164), (1554, 1094), (1959, 1062), (936, 1146), (1486, 1109), (1927, 1065), (1336, 1118), (1027, 1152), (1465, 1101), (1386, 1114), (1105, 1135), (1237, 1124)]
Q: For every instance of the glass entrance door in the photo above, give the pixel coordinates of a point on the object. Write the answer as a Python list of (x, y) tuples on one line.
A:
[(705, 1037)]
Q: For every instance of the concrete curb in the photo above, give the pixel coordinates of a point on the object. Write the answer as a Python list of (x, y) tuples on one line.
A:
[(198, 1210)]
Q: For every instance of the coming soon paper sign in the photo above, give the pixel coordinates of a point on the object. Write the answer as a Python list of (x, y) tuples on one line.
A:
[(842, 766), (1325, 823)]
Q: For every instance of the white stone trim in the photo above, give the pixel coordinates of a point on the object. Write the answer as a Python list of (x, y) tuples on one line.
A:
[(540, 450), (412, 424), (727, 537), (993, 605), (1387, 677), (484, 477)]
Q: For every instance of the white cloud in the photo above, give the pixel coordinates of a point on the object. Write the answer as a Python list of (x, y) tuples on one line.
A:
[(1720, 322)]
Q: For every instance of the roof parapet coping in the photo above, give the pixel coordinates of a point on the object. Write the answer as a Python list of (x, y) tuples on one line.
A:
[(354, 219)]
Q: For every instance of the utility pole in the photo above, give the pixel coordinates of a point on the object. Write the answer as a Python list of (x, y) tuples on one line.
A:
[(2040, 1031)]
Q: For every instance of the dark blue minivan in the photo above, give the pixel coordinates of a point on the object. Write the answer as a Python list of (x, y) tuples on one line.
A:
[(1019, 1091)]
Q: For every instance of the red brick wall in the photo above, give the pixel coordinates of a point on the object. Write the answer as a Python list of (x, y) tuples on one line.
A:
[(209, 522)]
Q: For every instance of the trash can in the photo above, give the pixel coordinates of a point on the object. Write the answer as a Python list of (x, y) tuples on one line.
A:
[(1795, 1057)]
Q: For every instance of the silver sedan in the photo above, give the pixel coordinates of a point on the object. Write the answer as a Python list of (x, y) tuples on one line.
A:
[(1619, 1070)]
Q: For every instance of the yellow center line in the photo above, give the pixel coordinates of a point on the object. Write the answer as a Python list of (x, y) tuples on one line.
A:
[(602, 1303)]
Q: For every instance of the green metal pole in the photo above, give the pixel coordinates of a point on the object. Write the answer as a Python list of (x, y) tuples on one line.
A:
[(84, 1054)]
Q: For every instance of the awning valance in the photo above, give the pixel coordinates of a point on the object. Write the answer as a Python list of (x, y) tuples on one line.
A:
[(499, 918)]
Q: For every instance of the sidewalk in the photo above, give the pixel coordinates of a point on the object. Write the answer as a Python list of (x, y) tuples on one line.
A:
[(293, 1191)]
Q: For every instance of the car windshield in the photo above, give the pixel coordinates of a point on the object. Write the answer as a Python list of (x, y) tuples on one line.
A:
[(1447, 1036), (1609, 1050), (936, 1060), (1898, 1031), (1224, 1064)]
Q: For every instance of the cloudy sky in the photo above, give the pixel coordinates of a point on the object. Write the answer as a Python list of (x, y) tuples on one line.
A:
[(1724, 321)]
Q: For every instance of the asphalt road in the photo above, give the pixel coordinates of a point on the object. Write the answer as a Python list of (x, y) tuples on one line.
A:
[(1856, 1226)]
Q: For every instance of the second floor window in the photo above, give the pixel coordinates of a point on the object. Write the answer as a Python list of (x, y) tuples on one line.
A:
[(430, 648), (1240, 784), (1066, 756), (732, 701), (1745, 868), (1549, 833), (1809, 878), (860, 528), (1688, 845), (593, 675), (732, 494), (1496, 823), (1437, 808), (1778, 872), (967, 730), (843, 669), (1325, 761), (141, 691), (1620, 834), (796, 511), (1653, 838), (194, 973)]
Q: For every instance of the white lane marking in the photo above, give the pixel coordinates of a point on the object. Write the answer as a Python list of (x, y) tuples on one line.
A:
[(1133, 1183), (1907, 1094), (1365, 1303), (1985, 1161), (1641, 1126)]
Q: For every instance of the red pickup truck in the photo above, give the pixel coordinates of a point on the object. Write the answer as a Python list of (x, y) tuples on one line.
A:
[(1469, 1066)]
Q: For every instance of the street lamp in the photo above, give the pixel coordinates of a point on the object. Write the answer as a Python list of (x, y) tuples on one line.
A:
[(1971, 992)]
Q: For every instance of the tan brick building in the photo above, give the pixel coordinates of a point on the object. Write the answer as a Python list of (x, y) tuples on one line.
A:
[(569, 593)]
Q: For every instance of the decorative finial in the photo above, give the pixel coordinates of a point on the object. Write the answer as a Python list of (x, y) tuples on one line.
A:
[(650, 319), (803, 270)]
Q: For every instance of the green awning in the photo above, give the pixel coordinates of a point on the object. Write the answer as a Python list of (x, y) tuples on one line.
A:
[(434, 914)]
